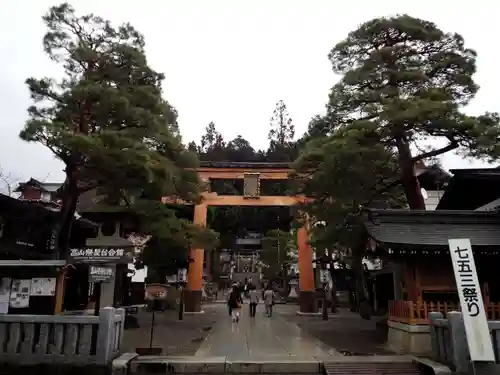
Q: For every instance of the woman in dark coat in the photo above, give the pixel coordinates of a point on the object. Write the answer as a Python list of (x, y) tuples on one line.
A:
[(234, 303)]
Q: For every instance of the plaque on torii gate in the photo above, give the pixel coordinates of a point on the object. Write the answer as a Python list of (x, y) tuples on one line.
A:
[(251, 185)]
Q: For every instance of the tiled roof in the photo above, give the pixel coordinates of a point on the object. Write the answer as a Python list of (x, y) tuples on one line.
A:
[(50, 187), (470, 189), (427, 228), (244, 164)]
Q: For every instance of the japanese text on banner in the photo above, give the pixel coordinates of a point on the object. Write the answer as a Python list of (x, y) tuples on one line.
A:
[(465, 282)]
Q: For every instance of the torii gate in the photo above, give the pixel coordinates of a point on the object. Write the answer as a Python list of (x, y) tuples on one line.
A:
[(251, 173)]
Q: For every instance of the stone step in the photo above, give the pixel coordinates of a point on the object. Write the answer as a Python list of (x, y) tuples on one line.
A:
[(373, 365), (134, 365), (372, 369), (383, 365)]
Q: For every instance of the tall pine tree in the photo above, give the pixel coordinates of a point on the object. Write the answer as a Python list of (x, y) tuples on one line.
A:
[(409, 81), (106, 119), (281, 135)]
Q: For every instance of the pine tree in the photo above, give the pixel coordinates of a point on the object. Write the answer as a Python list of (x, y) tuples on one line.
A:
[(106, 119), (239, 149), (281, 135), (212, 145), (282, 129), (278, 248), (409, 80), (348, 169)]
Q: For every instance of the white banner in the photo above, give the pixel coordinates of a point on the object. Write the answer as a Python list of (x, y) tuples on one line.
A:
[(471, 300)]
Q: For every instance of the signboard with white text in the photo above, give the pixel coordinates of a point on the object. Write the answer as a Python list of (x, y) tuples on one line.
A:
[(101, 274), (471, 300), (100, 255), (182, 275)]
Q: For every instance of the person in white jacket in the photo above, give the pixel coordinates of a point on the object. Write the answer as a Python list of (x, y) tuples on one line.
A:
[(269, 300)]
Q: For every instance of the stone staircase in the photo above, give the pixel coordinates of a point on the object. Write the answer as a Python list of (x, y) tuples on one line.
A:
[(376, 365)]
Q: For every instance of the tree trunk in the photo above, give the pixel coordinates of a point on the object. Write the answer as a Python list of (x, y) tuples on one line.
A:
[(411, 185), (215, 265), (365, 310), (67, 214)]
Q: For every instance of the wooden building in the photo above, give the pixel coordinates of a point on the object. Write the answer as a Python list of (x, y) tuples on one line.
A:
[(415, 245), (28, 254), (110, 227), (433, 180)]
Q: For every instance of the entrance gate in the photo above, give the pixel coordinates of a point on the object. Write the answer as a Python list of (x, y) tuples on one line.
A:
[(251, 173)]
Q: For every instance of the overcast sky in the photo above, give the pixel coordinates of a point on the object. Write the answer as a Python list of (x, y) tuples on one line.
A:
[(229, 61)]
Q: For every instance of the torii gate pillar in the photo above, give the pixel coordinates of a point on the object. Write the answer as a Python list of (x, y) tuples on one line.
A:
[(307, 295), (193, 292)]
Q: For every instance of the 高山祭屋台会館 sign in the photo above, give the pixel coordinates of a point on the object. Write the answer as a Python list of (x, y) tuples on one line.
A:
[(101, 255)]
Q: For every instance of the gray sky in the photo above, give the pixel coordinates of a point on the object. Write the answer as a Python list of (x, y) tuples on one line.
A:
[(229, 61)]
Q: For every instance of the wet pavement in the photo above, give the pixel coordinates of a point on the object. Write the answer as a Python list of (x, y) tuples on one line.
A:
[(261, 337), (174, 336), (345, 331)]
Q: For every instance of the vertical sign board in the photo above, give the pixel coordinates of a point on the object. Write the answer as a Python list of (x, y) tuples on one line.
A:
[(471, 301), (182, 275)]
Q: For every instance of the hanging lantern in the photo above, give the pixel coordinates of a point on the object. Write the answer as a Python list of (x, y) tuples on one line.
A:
[(251, 185)]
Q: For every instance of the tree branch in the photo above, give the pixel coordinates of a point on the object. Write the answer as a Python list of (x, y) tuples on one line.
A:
[(382, 190), (453, 145), (9, 181)]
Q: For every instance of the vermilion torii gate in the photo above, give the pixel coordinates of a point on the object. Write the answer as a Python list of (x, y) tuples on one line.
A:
[(251, 173)]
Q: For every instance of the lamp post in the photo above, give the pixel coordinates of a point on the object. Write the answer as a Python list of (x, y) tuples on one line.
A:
[(181, 282)]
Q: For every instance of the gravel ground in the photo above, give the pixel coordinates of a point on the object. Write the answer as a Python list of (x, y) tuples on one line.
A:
[(344, 331), (175, 337)]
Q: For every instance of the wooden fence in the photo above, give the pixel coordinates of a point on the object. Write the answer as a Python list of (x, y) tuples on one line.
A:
[(418, 312), (67, 339)]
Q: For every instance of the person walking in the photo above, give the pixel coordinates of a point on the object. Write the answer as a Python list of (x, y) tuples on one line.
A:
[(269, 300), (234, 304), (230, 309), (254, 300)]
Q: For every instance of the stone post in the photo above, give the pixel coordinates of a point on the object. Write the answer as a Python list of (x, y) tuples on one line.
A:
[(436, 345), (105, 334), (459, 345), (108, 289)]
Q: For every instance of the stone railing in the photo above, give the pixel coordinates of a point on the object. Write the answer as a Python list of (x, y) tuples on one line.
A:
[(449, 341), (62, 339)]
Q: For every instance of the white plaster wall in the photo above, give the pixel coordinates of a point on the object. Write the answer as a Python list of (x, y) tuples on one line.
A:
[(140, 275), (432, 200)]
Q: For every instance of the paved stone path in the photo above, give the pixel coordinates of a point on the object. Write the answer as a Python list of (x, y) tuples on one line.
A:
[(261, 337)]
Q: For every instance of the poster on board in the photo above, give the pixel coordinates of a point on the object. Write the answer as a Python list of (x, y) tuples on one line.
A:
[(43, 286), (20, 293), (4, 294)]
